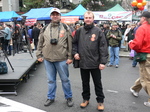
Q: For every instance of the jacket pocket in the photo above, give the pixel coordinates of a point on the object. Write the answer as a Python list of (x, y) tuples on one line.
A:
[(61, 52)]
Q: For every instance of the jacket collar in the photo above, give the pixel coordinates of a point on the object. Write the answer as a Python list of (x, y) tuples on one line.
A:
[(55, 24), (88, 27)]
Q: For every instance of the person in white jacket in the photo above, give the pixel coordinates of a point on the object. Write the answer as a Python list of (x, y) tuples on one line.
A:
[(126, 37)]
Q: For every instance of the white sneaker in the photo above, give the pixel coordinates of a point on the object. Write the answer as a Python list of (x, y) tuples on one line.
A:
[(117, 66), (136, 94), (147, 104)]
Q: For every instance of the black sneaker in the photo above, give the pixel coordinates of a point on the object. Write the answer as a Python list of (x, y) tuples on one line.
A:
[(70, 102), (48, 102)]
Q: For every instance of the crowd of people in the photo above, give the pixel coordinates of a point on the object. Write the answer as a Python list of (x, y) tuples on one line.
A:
[(14, 37), (57, 44), (123, 32), (90, 43)]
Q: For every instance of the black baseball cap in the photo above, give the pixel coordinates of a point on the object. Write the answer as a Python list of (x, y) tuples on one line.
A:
[(145, 14)]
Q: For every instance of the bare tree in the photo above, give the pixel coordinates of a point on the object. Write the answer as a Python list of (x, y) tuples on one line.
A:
[(57, 3), (126, 4)]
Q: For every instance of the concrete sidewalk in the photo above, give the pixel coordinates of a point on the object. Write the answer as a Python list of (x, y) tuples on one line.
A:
[(122, 53)]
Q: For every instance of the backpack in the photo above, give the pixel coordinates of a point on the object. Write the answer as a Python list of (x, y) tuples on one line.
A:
[(3, 68)]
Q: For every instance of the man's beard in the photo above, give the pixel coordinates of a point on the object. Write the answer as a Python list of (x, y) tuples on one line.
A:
[(56, 21)]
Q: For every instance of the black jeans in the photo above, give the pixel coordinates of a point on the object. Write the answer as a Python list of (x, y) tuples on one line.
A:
[(96, 76), (7, 46), (35, 43)]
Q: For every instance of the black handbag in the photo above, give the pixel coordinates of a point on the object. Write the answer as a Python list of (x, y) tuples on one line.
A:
[(139, 57), (76, 63), (3, 68)]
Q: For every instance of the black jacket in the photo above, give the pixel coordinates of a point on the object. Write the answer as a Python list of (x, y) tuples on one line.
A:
[(35, 33), (92, 47), (130, 35)]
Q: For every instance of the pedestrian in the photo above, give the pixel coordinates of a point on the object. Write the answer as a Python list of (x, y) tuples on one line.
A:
[(114, 37), (2, 36), (16, 38), (141, 45), (106, 28), (55, 45), (30, 37), (90, 48), (77, 26), (19, 38), (7, 39), (131, 34), (125, 36), (35, 35)]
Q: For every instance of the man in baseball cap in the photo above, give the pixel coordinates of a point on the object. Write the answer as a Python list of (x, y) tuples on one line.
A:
[(145, 14), (55, 10), (140, 44), (56, 57), (55, 15), (114, 24)]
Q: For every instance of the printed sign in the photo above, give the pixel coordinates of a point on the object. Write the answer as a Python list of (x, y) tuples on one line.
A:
[(113, 15), (69, 19), (30, 22)]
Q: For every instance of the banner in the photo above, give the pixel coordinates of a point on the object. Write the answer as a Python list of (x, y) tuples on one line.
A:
[(30, 22), (69, 19), (113, 15)]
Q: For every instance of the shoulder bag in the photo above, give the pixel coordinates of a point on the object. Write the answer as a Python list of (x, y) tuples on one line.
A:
[(139, 57)]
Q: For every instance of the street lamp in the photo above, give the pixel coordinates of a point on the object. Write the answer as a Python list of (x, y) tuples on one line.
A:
[(23, 20)]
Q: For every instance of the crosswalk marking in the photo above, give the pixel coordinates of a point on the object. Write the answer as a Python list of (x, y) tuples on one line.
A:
[(7, 105)]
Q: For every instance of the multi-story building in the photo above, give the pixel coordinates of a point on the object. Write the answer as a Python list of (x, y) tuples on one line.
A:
[(9, 5), (0, 5), (76, 1)]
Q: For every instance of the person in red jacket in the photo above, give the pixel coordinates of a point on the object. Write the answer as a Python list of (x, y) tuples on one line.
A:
[(141, 45)]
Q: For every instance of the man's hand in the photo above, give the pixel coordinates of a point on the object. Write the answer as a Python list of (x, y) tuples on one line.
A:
[(77, 57), (114, 36), (101, 66), (130, 41), (69, 61), (40, 59)]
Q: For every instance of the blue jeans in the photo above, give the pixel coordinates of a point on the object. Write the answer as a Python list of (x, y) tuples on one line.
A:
[(134, 63), (51, 70), (114, 55)]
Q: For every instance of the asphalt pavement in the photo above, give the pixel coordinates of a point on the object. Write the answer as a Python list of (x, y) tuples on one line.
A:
[(116, 84)]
